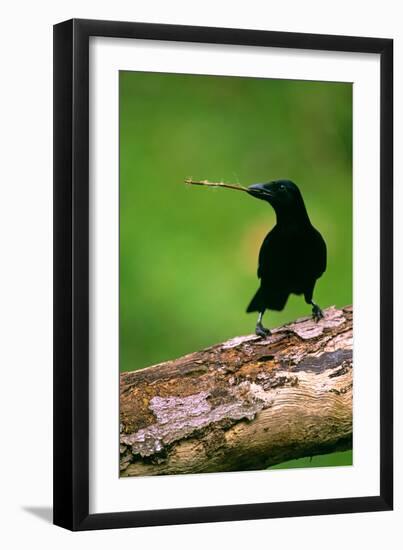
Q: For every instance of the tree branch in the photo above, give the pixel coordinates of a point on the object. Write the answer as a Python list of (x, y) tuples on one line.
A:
[(243, 404)]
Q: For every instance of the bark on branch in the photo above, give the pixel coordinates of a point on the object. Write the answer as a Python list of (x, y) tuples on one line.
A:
[(243, 404)]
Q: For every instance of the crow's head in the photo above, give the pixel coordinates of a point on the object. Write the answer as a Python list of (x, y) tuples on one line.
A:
[(281, 194)]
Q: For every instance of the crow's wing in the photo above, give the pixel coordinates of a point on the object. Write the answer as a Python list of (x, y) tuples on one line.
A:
[(318, 253), (283, 254)]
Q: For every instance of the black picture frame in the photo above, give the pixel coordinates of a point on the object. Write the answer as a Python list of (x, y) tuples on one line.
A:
[(71, 274)]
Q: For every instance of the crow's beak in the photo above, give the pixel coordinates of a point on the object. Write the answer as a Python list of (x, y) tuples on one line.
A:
[(258, 190)]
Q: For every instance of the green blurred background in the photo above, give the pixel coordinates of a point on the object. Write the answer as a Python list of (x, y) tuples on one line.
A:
[(188, 255)]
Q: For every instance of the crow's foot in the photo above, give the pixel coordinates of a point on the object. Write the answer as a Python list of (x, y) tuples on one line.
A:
[(261, 331), (317, 313)]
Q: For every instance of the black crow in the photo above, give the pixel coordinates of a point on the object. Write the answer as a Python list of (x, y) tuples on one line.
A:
[(292, 256)]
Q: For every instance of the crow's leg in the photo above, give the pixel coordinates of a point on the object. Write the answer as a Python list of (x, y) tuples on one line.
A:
[(260, 330), (317, 313)]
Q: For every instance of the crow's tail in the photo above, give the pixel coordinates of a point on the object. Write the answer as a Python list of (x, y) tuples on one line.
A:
[(256, 303)]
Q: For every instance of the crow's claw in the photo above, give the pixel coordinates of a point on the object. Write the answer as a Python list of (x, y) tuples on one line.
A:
[(262, 332), (317, 313)]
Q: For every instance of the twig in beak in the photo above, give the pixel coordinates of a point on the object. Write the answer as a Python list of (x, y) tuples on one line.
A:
[(206, 183)]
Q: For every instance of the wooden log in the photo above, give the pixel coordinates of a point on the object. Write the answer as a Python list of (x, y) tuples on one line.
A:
[(244, 404)]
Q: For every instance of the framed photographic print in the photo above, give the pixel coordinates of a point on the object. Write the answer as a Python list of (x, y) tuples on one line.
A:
[(220, 355)]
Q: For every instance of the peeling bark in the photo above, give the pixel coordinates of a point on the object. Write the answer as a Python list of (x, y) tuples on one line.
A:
[(243, 404)]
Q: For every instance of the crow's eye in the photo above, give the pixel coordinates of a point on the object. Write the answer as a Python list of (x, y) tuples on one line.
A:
[(282, 187)]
